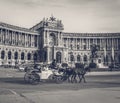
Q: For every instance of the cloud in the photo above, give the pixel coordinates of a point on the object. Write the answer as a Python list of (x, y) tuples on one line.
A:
[(37, 3)]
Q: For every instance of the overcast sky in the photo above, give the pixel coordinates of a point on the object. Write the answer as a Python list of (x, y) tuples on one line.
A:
[(76, 15)]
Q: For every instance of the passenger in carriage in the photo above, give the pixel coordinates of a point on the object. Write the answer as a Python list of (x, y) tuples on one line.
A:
[(54, 64)]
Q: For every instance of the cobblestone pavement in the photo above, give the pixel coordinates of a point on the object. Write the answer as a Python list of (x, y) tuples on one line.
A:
[(102, 87)]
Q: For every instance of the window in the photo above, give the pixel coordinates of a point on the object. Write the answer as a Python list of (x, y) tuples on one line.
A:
[(2, 54), (29, 56), (78, 47), (22, 56), (78, 58), (9, 55), (84, 47), (72, 58), (71, 46), (85, 58), (16, 55)]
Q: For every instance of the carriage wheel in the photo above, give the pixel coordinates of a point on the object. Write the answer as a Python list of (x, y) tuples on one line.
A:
[(32, 78), (51, 77), (59, 79), (27, 77)]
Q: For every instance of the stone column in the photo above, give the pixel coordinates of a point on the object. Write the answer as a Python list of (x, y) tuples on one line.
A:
[(80, 43), (31, 40), (26, 41), (89, 44), (1, 35), (117, 43)]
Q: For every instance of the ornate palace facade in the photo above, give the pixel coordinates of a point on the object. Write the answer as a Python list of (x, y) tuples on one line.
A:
[(46, 41)]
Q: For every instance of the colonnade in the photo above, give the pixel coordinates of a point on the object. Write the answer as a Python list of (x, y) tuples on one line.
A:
[(18, 38), (86, 42)]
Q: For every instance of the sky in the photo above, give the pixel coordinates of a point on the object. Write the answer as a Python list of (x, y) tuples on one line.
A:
[(79, 16)]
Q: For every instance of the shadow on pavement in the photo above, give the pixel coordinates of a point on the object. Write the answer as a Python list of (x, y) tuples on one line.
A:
[(13, 80)]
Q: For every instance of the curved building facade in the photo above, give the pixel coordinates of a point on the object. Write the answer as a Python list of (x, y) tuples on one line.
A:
[(47, 41)]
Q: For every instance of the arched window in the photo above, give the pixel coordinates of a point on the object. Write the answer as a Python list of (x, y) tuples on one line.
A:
[(85, 58), (9, 55), (2, 54), (58, 57), (72, 58), (29, 56), (78, 58), (16, 55), (22, 56), (35, 56)]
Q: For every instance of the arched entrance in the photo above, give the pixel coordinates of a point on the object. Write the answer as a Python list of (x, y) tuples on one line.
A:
[(58, 57), (44, 56)]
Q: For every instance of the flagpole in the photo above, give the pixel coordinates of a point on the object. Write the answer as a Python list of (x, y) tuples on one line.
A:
[(113, 53)]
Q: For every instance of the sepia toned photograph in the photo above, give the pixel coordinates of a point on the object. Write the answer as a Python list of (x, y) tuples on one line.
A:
[(59, 51)]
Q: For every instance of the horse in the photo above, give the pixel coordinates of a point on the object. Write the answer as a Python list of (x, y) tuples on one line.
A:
[(68, 73), (71, 74), (80, 72)]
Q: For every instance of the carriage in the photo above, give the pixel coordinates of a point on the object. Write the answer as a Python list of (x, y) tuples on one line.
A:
[(43, 73), (57, 75)]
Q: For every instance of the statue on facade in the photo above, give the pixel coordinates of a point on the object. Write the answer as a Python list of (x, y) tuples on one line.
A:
[(94, 50)]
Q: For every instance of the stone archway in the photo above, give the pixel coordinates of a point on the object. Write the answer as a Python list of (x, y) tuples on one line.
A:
[(58, 57), (53, 39)]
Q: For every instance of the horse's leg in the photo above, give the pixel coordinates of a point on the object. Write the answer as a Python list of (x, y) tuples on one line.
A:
[(69, 79), (72, 76), (83, 76), (79, 75), (75, 77)]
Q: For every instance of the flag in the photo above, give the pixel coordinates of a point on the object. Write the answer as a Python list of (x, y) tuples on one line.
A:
[(112, 50), (112, 53), (104, 52)]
